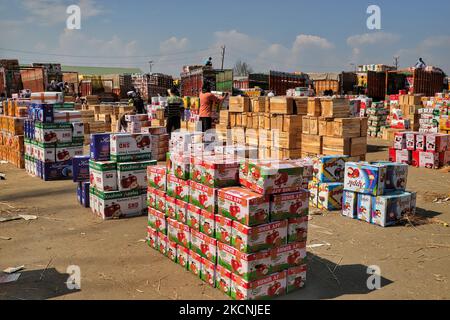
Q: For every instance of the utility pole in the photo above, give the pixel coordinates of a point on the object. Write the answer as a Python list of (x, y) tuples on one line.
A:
[(396, 60), (223, 55), (151, 65)]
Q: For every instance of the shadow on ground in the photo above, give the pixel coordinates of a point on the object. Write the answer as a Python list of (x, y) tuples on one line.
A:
[(327, 280), (373, 148), (36, 285)]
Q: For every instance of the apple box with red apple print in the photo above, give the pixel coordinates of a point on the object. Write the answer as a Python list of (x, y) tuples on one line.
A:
[(253, 239), (182, 212), (133, 175), (264, 289), (177, 188), (117, 204), (180, 165), (225, 255), (204, 245), (179, 233), (223, 279), (215, 171), (171, 207), (193, 216), (288, 256), (195, 263), (207, 223), (243, 205), (208, 274), (253, 266), (127, 147), (272, 177), (103, 175), (296, 278), (172, 251), (156, 177), (203, 197), (160, 200), (222, 229), (163, 243), (68, 150), (365, 178), (152, 238), (151, 198), (289, 205), (183, 256), (157, 220), (297, 229)]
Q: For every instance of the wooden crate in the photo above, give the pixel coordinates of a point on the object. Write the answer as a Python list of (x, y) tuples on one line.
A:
[(239, 104), (224, 117), (285, 154), (358, 146), (305, 124), (261, 104), (326, 127), (252, 137), (301, 106), (347, 127), (336, 146), (281, 105), (239, 119), (292, 123), (311, 144), (264, 121), (276, 122), (238, 136), (313, 125), (314, 107), (335, 108), (364, 124), (286, 140)]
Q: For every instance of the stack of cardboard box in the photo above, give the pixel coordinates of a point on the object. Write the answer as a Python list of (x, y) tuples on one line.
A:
[(12, 132), (54, 135), (328, 129), (271, 124), (238, 224)]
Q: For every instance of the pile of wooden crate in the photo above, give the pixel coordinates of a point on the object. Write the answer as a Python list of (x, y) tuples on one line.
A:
[(328, 129), (99, 118), (273, 125), (410, 105)]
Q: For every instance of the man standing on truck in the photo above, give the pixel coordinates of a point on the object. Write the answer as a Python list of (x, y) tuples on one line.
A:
[(174, 110), (207, 101)]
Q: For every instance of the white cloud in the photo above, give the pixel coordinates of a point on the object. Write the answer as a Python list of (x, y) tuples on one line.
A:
[(374, 47), (173, 45), (306, 52), (373, 38), (50, 12), (304, 41)]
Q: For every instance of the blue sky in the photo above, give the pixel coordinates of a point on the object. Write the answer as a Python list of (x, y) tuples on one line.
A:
[(280, 35)]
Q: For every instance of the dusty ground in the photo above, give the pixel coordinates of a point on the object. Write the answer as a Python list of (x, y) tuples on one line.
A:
[(115, 264)]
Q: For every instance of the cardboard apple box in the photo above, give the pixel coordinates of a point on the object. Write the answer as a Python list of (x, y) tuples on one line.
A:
[(264, 289), (253, 239), (243, 205)]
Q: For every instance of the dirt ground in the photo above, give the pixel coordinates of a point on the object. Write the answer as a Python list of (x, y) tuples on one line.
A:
[(115, 264)]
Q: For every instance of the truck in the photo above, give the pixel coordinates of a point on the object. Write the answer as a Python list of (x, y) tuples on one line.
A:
[(193, 79), (415, 81), (280, 82)]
